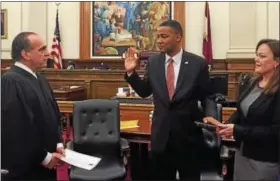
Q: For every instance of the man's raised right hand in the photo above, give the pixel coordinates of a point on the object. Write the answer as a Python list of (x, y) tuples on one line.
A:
[(130, 60)]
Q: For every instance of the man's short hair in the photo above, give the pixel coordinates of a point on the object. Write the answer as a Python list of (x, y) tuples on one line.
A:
[(20, 42), (174, 25)]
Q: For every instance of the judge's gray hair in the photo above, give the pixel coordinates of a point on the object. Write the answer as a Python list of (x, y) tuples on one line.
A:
[(20, 42)]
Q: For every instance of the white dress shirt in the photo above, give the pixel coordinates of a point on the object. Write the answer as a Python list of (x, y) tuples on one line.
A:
[(177, 59), (59, 145)]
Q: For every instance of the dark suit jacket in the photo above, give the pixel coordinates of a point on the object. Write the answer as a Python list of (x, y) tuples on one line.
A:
[(260, 128), (178, 115)]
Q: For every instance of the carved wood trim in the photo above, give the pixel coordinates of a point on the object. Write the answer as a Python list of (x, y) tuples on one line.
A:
[(85, 18), (180, 16), (85, 30)]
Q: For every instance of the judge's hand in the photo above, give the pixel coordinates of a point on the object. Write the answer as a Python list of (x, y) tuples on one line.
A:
[(55, 161), (130, 59), (226, 130), (61, 151)]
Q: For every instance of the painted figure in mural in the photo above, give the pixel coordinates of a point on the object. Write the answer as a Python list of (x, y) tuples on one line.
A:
[(159, 12), (103, 27), (128, 17), (117, 18), (141, 18)]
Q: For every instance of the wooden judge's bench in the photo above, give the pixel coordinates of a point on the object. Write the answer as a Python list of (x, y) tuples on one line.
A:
[(103, 84), (69, 93), (74, 85)]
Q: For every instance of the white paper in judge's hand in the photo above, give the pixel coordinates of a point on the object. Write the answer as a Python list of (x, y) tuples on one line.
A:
[(80, 160)]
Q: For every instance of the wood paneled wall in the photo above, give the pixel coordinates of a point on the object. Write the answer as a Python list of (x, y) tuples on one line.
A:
[(240, 65), (104, 83)]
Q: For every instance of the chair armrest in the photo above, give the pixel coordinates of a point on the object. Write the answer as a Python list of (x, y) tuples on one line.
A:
[(124, 144), (226, 152), (220, 112), (4, 172), (211, 139), (125, 152)]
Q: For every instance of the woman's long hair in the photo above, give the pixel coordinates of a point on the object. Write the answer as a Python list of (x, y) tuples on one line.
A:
[(273, 84)]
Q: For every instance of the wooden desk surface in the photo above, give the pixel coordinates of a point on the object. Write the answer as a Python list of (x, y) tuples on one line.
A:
[(69, 106), (137, 135), (141, 130)]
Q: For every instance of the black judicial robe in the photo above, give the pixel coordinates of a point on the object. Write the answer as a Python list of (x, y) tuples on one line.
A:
[(30, 125)]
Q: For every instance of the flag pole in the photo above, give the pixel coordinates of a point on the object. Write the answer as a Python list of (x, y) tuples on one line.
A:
[(56, 47), (207, 39)]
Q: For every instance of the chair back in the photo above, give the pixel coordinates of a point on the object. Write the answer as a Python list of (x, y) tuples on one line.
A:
[(96, 127), (212, 141), (243, 80), (212, 144), (4, 172)]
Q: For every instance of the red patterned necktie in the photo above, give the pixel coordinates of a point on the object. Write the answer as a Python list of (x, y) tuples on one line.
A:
[(170, 78)]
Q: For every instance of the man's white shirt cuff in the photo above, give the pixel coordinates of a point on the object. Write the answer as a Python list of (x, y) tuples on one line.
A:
[(49, 155), (59, 145), (47, 159)]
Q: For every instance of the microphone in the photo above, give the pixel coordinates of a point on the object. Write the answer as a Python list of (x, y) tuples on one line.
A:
[(208, 127)]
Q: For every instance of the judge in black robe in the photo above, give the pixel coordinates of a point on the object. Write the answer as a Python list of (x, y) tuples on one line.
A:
[(30, 124), (30, 129)]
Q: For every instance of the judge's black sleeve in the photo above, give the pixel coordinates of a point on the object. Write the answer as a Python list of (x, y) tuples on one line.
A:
[(55, 108), (21, 144)]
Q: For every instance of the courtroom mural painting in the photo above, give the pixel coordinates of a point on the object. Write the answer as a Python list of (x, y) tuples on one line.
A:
[(4, 24), (117, 26)]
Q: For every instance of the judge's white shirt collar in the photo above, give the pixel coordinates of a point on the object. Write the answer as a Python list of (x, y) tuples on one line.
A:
[(24, 67)]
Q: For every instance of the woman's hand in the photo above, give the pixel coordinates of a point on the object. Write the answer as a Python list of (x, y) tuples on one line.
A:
[(225, 130)]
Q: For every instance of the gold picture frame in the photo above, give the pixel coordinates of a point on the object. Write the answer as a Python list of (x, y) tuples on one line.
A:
[(4, 24)]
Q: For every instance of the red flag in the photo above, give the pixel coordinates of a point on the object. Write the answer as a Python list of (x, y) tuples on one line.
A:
[(56, 52), (207, 41)]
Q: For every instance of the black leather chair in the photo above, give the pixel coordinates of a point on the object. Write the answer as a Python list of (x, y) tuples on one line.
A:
[(212, 164), (96, 128)]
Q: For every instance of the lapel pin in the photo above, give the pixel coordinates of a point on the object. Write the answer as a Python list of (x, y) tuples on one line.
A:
[(186, 62)]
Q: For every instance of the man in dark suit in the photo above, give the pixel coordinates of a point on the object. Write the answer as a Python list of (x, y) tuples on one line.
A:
[(30, 127), (177, 80)]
